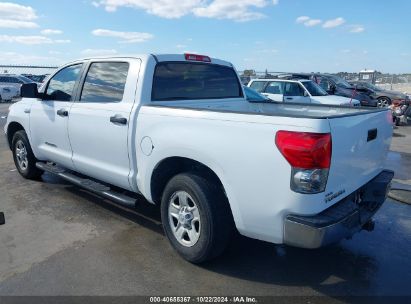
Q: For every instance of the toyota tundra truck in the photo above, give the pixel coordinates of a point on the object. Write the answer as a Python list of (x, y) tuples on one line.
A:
[(178, 131)]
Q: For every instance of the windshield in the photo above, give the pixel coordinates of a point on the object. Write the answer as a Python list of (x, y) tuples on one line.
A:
[(314, 89), (370, 86), (253, 96), (341, 82)]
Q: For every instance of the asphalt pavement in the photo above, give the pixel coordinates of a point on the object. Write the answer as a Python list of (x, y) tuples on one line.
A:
[(60, 240)]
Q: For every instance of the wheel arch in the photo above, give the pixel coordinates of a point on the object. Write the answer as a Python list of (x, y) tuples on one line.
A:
[(171, 166), (12, 128)]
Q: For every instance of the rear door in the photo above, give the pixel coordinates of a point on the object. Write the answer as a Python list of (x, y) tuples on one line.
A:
[(99, 121)]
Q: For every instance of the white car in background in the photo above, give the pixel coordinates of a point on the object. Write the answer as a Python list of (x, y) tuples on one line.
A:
[(8, 93), (298, 91)]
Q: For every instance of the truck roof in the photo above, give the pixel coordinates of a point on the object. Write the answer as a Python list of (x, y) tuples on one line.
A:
[(158, 58)]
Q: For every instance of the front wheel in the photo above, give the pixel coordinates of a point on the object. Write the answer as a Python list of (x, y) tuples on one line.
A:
[(23, 156), (196, 217)]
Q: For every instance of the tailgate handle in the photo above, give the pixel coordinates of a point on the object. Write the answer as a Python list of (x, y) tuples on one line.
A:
[(372, 134)]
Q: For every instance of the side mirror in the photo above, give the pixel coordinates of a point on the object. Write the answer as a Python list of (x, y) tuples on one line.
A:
[(305, 94), (2, 219), (29, 90)]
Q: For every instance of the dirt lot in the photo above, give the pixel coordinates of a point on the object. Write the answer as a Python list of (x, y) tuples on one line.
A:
[(59, 240)]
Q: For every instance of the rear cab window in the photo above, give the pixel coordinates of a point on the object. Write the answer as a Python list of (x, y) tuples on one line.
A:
[(194, 81)]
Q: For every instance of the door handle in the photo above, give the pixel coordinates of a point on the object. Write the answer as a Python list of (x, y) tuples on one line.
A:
[(116, 119), (289, 98), (62, 113)]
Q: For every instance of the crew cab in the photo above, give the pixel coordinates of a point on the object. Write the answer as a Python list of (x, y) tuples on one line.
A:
[(299, 91), (179, 131)]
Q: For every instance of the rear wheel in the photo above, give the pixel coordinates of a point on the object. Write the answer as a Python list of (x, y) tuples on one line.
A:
[(383, 102), (196, 217), (23, 156)]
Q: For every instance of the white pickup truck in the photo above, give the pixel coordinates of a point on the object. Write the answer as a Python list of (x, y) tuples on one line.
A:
[(298, 91), (178, 130)]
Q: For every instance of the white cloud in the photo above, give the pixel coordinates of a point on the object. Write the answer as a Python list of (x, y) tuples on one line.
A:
[(312, 22), (126, 37), (238, 10), (181, 46), (161, 8), (230, 9), (307, 21), (30, 40), (302, 19), (98, 52), (357, 29), (17, 16), (51, 32), (17, 12), (17, 24), (18, 58), (334, 22), (346, 51)]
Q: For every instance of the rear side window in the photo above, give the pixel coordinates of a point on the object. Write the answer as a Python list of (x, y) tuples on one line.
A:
[(275, 87), (188, 80), (258, 85), (105, 82)]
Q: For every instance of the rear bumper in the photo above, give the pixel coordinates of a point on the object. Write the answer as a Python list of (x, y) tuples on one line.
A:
[(341, 220)]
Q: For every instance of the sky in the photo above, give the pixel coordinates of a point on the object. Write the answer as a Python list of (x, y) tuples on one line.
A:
[(277, 35)]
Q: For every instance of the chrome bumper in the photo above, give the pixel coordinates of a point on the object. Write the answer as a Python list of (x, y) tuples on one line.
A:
[(341, 220)]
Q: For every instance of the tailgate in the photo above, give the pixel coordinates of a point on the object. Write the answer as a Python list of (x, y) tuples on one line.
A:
[(360, 145)]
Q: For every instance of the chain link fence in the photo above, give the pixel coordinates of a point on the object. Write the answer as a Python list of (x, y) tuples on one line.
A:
[(36, 70)]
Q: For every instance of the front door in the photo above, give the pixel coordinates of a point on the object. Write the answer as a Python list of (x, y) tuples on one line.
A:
[(49, 117), (99, 121)]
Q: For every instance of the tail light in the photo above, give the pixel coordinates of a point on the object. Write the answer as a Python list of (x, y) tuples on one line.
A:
[(309, 155)]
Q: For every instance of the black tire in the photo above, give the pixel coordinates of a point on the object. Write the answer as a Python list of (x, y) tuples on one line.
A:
[(29, 171), (383, 102), (216, 225)]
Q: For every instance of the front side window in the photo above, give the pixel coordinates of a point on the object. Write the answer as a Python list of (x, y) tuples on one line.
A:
[(189, 80), (293, 89), (61, 85), (105, 82)]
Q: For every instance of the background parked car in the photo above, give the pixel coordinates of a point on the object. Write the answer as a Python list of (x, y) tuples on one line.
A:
[(7, 93), (335, 85), (299, 91), (383, 97), (36, 78), (14, 82)]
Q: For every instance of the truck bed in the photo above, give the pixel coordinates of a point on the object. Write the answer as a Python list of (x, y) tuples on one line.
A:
[(297, 110)]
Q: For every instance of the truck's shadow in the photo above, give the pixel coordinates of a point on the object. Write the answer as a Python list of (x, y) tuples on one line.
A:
[(331, 271)]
